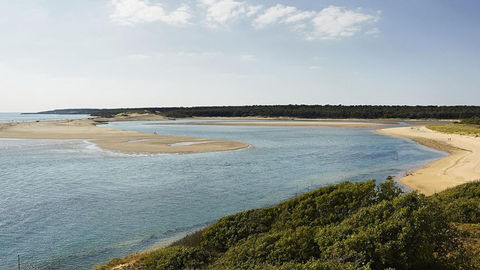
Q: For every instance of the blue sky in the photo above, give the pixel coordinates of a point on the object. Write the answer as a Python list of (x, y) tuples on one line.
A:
[(128, 53)]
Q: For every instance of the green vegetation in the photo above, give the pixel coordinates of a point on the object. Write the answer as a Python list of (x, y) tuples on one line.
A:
[(457, 128), (298, 111), (471, 121), (462, 203), (344, 226)]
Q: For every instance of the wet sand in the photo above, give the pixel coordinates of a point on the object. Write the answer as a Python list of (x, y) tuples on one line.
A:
[(115, 140)]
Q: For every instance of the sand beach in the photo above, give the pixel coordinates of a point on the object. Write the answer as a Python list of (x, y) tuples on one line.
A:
[(462, 165), (114, 140)]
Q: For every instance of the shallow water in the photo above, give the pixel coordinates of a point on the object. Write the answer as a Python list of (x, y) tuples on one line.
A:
[(70, 205)]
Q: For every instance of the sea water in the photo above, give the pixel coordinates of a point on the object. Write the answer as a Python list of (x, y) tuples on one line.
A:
[(66, 204), (19, 117)]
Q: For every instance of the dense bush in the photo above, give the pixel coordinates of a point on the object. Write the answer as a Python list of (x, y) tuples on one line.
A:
[(408, 232), (177, 258), (462, 203), (344, 226)]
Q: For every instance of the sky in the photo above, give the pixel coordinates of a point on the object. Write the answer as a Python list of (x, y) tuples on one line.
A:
[(155, 53)]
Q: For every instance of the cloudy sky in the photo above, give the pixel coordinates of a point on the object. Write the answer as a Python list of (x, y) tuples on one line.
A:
[(127, 53)]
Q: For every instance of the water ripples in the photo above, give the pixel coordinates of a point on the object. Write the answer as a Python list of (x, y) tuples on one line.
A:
[(70, 205)]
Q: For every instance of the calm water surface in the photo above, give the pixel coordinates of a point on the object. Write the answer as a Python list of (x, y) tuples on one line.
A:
[(70, 205), (18, 117)]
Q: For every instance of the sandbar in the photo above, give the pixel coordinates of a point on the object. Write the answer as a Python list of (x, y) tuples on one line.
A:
[(462, 165), (115, 140)]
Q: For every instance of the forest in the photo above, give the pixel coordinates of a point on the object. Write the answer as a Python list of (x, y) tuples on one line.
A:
[(360, 225), (297, 111)]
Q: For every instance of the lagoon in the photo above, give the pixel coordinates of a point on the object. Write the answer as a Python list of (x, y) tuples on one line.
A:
[(66, 204)]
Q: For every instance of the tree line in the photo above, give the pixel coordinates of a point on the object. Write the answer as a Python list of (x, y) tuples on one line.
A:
[(298, 111)]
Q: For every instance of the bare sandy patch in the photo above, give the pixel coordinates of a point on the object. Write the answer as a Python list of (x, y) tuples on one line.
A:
[(115, 140), (133, 117)]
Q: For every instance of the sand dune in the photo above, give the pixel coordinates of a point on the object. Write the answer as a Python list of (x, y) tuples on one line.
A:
[(115, 140), (461, 166), (133, 117)]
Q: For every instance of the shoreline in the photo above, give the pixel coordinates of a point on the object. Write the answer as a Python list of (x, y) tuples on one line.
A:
[(129, 142), (462, 165), (284, 123), (132, 142)]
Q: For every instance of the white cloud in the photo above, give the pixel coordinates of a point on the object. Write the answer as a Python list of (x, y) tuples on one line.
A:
[(273, 15), (330, 23), (337, 22), (315, 67), (223, 11), (300, 16), (130, 12), (252, 10)]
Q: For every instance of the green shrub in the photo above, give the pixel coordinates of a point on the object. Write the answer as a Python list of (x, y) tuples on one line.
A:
[(409, 232), (471, 121), (172, 258), (344, 226), (461, 203)]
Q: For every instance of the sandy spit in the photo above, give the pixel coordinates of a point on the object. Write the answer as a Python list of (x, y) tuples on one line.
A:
[(115, 140), (461, 166)]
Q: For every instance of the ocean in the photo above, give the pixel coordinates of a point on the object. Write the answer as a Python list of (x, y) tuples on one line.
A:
[(18, 117)]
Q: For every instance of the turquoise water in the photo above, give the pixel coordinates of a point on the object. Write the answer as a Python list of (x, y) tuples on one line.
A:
[(70, 205)]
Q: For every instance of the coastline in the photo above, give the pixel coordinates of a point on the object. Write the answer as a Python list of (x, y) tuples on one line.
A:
[(462, 165), (130, 142), (286, 123)]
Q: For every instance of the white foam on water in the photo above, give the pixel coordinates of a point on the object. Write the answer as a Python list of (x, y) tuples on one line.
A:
[(93, 148)]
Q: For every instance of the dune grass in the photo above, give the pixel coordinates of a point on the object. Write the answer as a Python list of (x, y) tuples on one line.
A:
[(457, 128)]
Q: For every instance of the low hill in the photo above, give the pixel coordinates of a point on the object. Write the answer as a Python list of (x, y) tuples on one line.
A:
[(344, 226)]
